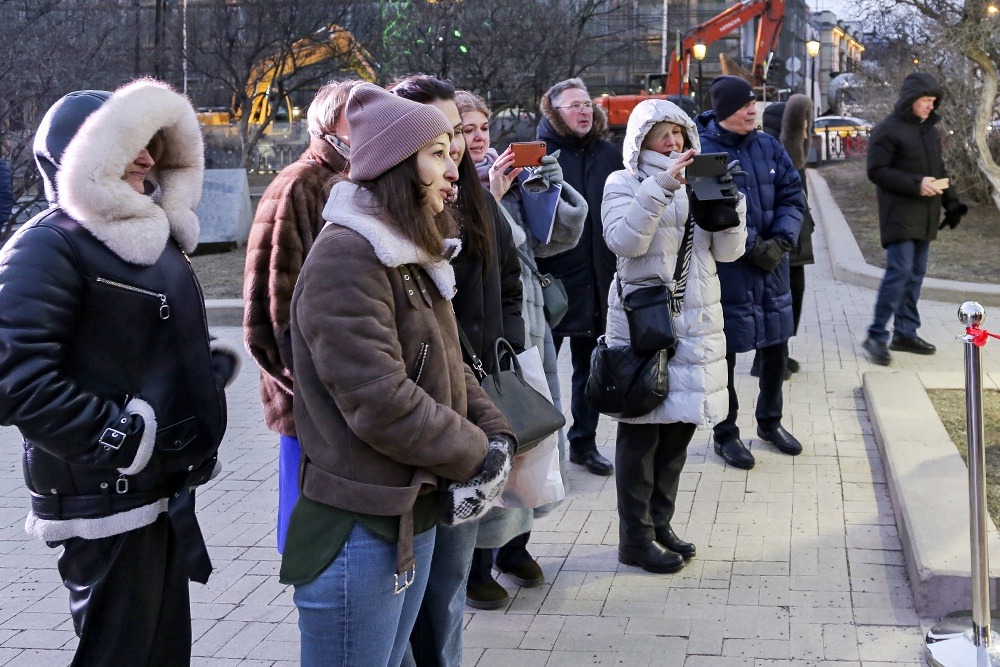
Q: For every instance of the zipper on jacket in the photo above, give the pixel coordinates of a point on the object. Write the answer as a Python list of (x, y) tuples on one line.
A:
[(421, 360), (164, 308)]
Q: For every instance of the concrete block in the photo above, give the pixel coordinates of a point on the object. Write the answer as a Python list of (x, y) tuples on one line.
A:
[(224, 210), (929, 486)]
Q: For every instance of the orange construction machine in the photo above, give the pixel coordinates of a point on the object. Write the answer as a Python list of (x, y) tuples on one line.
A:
[(677, 80)]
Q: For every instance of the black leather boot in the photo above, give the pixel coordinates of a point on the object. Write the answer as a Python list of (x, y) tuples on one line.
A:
[(651, 557), (669, 539)]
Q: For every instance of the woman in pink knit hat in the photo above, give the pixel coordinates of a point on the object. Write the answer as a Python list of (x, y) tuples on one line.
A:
[(384, 407)]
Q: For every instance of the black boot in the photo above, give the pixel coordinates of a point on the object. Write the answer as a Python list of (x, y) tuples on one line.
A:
[(651, 557), (669, 539)]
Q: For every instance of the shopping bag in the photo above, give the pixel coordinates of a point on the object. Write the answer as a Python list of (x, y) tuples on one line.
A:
[(535, 479)]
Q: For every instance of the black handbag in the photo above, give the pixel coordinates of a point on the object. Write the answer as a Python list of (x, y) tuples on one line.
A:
[(626, 383), (532, 416), (650, 310), (553, 292)]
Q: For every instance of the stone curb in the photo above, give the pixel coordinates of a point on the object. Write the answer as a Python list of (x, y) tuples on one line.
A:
[(224, 312), (849, 264), (929, 485)]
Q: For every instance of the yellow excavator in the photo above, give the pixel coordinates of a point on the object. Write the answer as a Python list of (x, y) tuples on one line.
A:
[(263, 85)]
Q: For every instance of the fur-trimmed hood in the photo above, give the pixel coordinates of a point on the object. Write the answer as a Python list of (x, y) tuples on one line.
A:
[(86, 141), (551, 117), (354, 207), (642, 119), (784, 121)]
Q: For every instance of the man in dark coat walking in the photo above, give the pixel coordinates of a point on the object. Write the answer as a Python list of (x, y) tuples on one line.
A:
[(756, 296), (906, 166), (571, 125)]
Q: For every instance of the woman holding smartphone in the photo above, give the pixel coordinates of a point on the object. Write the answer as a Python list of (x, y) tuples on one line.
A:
[(508, 530), (647, 224)]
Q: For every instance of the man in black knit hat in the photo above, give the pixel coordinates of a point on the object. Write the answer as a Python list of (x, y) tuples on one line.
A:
[(756, 296)]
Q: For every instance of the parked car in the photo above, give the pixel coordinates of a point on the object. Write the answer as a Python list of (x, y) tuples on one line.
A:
[(849, 124)]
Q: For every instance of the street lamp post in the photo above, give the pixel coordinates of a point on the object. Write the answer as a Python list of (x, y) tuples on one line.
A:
[(812, 48), (698, 51)]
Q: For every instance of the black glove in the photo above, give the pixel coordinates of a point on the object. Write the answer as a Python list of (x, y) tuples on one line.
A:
[(767, 254), (226, 363), (715, 216), (467, 501), (953, 213)]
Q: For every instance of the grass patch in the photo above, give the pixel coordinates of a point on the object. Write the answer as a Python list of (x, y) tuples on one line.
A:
[(950, 406), (970, 252), (221, 274)]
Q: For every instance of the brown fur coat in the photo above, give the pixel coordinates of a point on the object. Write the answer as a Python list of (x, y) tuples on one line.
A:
[(289, 217)]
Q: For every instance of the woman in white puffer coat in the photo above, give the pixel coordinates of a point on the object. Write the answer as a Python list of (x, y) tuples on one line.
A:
[(644, 213)]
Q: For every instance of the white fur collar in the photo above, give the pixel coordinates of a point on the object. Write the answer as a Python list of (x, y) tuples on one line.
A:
[(90, 186), (349, 206)]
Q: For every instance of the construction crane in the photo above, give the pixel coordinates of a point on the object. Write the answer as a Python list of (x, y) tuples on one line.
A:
[(264, 83), (677, 80)]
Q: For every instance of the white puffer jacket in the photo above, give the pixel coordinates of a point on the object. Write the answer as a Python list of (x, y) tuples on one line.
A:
[(643, 226)]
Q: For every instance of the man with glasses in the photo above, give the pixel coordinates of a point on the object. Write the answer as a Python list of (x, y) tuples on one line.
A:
[(571, 125)]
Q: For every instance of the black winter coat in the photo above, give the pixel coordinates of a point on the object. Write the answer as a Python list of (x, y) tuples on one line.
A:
[(901, 152), (106, 365), (587, 269), (488, 301), (6, 192)]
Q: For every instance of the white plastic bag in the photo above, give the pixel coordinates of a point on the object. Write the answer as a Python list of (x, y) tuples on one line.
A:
[(535, 479)]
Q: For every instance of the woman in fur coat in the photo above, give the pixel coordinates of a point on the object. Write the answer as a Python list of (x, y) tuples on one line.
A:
[(646, 216), (107, 368)]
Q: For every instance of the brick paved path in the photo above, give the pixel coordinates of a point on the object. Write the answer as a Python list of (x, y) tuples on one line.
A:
[(798, 562)]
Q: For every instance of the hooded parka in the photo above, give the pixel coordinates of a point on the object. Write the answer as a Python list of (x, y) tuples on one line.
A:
[(901, 152), (102, 319), (785, 122), (757, 303), (586, 269), (644, 225)]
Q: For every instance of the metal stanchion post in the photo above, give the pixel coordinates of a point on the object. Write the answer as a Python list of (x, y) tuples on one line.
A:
[(964, 638)]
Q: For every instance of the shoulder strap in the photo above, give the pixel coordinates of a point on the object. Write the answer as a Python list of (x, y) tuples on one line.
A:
[(683, 264), (477, 363)]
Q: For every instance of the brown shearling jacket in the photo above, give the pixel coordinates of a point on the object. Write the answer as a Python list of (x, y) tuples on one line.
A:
[(383, 400), (288, 218)]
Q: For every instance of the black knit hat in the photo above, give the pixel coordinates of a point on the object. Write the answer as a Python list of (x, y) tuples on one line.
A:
[(729, 94)]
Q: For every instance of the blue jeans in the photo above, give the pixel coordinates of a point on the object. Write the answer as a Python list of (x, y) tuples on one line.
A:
[(350, 614), (289, 453), (905, 266), (437, 635)]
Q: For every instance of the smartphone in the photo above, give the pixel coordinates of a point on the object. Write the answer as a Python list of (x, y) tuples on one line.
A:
[(940, 183), (528, 153), (707, 164)]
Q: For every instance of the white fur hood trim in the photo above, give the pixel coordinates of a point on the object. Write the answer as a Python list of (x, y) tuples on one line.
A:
[(350, 206), (90, 185)]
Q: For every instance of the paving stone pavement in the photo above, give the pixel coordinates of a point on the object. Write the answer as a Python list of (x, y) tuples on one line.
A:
[(799, 560)]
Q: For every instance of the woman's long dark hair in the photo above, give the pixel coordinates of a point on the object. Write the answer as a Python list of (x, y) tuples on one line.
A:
[(402, 198), (474, 213)]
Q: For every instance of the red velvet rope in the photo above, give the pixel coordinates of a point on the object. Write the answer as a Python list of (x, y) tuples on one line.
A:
[(979, 336)]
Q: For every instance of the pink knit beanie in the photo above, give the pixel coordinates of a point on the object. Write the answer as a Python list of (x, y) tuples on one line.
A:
[(386, 129)]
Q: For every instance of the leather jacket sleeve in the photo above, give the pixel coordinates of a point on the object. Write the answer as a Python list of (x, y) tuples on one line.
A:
[(40, 303)]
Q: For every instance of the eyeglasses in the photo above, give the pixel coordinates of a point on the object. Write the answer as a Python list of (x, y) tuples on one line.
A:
[(577, 107)]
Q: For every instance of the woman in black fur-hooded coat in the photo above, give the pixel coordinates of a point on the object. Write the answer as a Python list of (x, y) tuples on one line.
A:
[(108, 370)]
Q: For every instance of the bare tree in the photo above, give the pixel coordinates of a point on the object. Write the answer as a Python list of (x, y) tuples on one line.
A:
[(256, 52), (91, 51)]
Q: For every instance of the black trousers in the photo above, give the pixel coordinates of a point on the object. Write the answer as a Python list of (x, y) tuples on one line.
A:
[(129, 598), (582, 434), (797, 283), (769, 400), (648, 463)]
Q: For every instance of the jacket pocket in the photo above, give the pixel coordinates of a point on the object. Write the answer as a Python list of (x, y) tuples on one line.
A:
[(164, 308), (177, 436)]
